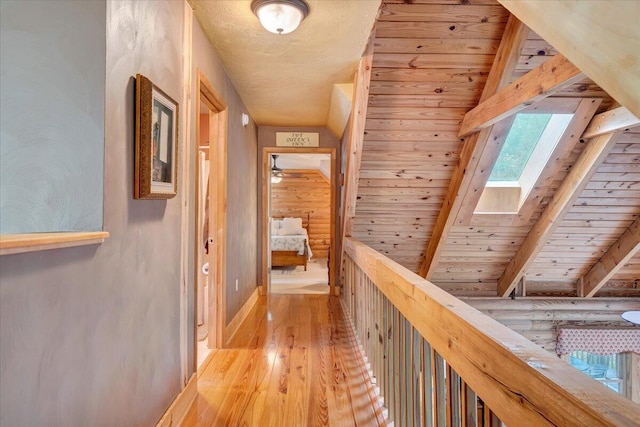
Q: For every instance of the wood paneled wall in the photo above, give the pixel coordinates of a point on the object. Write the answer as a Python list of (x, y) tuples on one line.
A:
[(538, 319), (303, 192)]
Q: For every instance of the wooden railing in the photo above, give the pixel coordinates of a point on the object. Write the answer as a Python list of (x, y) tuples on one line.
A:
[(439, 362)]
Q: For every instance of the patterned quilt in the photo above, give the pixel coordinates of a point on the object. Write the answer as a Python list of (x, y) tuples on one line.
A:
[(290, 243)]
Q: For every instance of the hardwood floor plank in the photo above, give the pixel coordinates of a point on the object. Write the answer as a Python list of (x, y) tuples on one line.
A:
[(293, 362)]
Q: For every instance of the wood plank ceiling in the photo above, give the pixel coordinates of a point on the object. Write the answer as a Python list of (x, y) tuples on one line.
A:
[(431, 60)]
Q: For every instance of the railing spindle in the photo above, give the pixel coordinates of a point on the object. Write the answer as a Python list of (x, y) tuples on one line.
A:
[(440, 389), (427, 384), (416, 369), (395, 313)]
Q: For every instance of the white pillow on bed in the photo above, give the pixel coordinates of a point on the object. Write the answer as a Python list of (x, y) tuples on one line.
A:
[(291, 223), (290, 231), (275, 226)]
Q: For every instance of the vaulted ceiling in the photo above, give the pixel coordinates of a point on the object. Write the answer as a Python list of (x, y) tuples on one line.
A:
[(446, 78), (439, 96)]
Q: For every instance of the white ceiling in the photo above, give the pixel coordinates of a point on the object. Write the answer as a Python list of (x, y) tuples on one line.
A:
[(321, 162), (287, 80)]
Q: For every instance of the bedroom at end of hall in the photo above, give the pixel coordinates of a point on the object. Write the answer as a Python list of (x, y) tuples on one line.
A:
[(300, 207)]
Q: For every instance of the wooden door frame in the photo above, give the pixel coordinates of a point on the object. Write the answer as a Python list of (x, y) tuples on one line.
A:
[(218, 121), (266, 179)]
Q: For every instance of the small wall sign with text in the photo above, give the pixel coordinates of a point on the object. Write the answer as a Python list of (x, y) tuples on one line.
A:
[(297, 139)]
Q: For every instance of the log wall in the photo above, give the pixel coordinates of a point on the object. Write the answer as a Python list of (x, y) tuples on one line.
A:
[(303, 192)]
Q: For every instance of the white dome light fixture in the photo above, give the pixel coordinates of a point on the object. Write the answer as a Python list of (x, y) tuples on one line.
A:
[(280, 16), (632, 316)]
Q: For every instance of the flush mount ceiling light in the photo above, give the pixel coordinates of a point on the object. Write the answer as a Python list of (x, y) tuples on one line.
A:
[(632, 316), (276, 172), (280, 16)]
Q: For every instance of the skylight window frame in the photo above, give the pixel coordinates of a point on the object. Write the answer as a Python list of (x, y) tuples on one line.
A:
[(549, 139), (583, 110)]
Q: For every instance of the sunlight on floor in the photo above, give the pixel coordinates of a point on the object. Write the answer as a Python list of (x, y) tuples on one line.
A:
[(290, 280), (203, 352)]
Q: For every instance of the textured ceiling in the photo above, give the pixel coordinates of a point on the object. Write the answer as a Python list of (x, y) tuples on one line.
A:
[(286, 80)]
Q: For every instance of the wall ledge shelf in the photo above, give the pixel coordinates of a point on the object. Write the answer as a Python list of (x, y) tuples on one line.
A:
[(32, 242)]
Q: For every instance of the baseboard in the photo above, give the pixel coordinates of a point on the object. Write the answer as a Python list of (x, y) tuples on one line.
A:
[(206, 362), (178, 410), (237, 320)]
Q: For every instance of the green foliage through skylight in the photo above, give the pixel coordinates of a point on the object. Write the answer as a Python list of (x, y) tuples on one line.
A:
[(520, 143)]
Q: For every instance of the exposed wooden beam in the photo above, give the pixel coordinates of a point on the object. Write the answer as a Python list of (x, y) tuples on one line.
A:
[(613, 260), (507, 57), (356, 139), (460, 182), (591, 158), (600, 37), (515, 34), (539, 83), (610, 121)]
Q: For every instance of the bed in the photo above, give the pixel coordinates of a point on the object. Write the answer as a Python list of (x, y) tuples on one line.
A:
[(289, 243)]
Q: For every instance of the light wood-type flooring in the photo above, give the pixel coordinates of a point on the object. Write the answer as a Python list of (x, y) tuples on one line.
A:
[(292, 363)]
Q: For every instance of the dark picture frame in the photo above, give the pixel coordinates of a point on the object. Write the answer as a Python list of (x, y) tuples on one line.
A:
[(156, 150)]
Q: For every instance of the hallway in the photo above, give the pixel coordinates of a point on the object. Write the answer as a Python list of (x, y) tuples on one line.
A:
[(292, 363)]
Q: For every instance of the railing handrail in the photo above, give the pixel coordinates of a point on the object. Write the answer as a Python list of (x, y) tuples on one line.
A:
[(522, 383)]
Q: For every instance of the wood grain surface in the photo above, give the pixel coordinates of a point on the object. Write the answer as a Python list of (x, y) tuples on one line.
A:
[(293, 362)]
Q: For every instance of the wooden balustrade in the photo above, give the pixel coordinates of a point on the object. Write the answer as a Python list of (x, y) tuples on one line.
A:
[(439, 362)]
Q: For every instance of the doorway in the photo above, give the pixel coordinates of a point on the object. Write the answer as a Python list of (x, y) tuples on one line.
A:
[(210, 221), (304, 198)]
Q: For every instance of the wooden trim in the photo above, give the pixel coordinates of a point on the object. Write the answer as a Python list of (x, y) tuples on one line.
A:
[(186, 275), (514, 36), (266, 167), (221, 228), (240, 316), (610, 121), (583, 110), (458, 186), (613, 260), (578, 177), (487, 151), (633, 369), (32, 242), (264, 238), (539, 83), (218, 120), (178, 410), (607, 52), (521, 382), (356, 139), (583, 113)]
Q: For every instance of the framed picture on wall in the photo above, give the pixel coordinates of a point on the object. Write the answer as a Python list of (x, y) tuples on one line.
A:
[(156, 150)]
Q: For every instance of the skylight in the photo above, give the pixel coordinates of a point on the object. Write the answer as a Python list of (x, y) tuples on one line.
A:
[(531, 140), (518, 147)]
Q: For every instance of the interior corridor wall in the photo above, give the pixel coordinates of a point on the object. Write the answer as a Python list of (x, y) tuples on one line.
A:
[(89, 335), (242, 170)]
